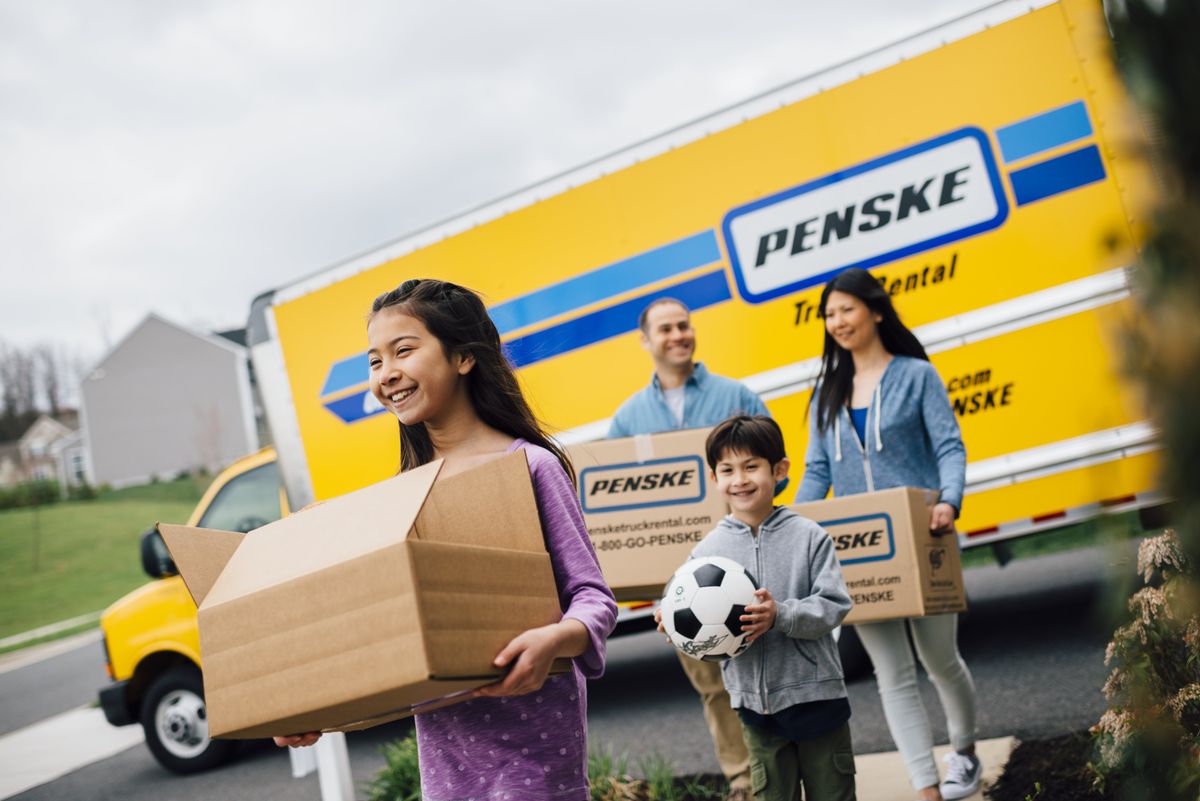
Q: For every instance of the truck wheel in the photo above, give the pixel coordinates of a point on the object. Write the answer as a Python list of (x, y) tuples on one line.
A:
[(855, 662), (176, 724)]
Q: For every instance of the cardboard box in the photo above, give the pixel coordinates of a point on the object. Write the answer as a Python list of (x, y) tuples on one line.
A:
[(647, 501), (370, 607), (893, 566)]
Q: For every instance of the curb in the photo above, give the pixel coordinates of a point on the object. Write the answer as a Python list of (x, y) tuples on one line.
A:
[(46, 631)]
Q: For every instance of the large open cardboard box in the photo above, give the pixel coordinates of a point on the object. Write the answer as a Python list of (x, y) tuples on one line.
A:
[(647, 501), (369, 607), (893, 565)]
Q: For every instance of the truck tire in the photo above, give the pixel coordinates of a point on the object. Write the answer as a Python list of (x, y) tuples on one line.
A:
[(176, 724), (855, 662)]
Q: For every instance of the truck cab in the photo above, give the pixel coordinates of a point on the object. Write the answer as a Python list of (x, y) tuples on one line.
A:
[(151, 640)]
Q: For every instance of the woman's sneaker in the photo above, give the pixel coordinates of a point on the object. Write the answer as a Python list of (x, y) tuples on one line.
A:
[(963, 772)]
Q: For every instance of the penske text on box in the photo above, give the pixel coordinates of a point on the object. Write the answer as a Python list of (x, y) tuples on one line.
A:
[(893, 565), (370, 607), (647, 501)]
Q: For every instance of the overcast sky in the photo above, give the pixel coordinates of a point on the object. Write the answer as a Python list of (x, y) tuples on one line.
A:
[(181, 157)]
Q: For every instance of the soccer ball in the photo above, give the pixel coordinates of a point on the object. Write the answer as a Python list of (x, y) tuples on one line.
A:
[(703, 605)]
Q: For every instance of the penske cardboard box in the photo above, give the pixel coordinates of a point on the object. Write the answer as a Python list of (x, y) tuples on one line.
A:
[(893, 566), (647, 501), (372, 606)]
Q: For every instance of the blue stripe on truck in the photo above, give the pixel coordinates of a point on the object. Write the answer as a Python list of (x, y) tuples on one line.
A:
[(705, 290), (1044, 131), (598, 285), (1068, 171), (603, 283)]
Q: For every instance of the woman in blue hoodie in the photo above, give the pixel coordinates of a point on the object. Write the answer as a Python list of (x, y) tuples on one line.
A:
[(880, 418)]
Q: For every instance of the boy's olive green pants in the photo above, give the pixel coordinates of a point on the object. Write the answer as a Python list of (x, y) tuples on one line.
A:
[(823, 765)]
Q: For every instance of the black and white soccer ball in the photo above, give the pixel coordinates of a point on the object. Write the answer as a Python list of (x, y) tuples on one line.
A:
[(702, 607)]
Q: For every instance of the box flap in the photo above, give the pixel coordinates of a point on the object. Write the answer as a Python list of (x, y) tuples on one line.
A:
[(336, 531), (491, 505), (200, 554)]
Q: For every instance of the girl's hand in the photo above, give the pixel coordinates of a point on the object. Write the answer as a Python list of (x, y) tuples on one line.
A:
[(530, 655), (298, 740), (941, 519), (759, 617)]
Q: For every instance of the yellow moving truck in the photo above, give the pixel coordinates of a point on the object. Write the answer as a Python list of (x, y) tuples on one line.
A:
[(982, 170)]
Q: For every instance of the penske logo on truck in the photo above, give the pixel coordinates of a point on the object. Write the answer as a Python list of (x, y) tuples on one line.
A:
[(640, 485), (918, 198), (862, 539)]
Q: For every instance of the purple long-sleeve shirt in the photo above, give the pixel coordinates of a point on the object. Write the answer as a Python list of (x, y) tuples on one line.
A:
[(531, 747)]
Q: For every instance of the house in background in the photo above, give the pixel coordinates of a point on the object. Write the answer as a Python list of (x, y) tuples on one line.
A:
[(51, 449), (41, 448), (163, 401), (10, 465)]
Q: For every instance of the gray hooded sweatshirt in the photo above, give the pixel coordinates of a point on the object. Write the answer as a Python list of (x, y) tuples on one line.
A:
[(796, 661), (912, 440)]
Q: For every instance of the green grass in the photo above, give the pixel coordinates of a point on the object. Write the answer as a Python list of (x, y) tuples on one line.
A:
[(187, 489), (76, 557), (1098, 531)]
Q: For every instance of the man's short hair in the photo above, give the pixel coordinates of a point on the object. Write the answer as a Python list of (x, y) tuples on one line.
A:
[(758, 436), (646, 311)]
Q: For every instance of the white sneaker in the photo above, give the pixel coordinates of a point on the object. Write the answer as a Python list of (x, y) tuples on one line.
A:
[(963, 772)]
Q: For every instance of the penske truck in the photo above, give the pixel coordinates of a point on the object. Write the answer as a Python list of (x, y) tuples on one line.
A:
[(986, 171)]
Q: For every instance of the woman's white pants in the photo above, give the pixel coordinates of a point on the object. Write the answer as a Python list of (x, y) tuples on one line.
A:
[(936, 640)]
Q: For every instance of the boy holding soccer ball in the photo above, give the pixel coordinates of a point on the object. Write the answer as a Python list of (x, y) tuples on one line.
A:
[(787, 687)]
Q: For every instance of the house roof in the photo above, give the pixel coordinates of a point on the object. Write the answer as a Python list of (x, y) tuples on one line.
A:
[(235, 335), (69, 418), (46, 421), (213, 339)]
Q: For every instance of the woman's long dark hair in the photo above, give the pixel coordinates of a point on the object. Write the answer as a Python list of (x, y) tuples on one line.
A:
[(836, 381), (459, 320)]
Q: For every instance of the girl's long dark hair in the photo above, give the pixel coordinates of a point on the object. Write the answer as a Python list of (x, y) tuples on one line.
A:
[(836, 381), (459, 320)]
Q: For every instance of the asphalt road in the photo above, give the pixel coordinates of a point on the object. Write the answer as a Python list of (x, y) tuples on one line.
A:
[(1034, 640), (69, 679)]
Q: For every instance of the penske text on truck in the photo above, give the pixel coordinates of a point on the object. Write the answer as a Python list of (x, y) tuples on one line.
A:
[(984, 171)]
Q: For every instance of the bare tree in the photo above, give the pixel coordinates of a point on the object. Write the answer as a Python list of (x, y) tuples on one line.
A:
[(18, 391), (41, 378), (51, 365)]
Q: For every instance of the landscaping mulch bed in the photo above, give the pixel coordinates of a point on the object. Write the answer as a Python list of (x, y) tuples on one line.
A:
[(1053, 769)]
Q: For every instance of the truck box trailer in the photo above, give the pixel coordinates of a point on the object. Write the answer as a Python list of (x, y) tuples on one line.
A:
[(985, 171)]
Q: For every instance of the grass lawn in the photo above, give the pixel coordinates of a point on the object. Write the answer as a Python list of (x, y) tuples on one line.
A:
[(76, 557)]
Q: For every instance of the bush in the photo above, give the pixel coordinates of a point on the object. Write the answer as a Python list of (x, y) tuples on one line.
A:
[(81, 492), (1148, 737), (400, 779), (29, 493)]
